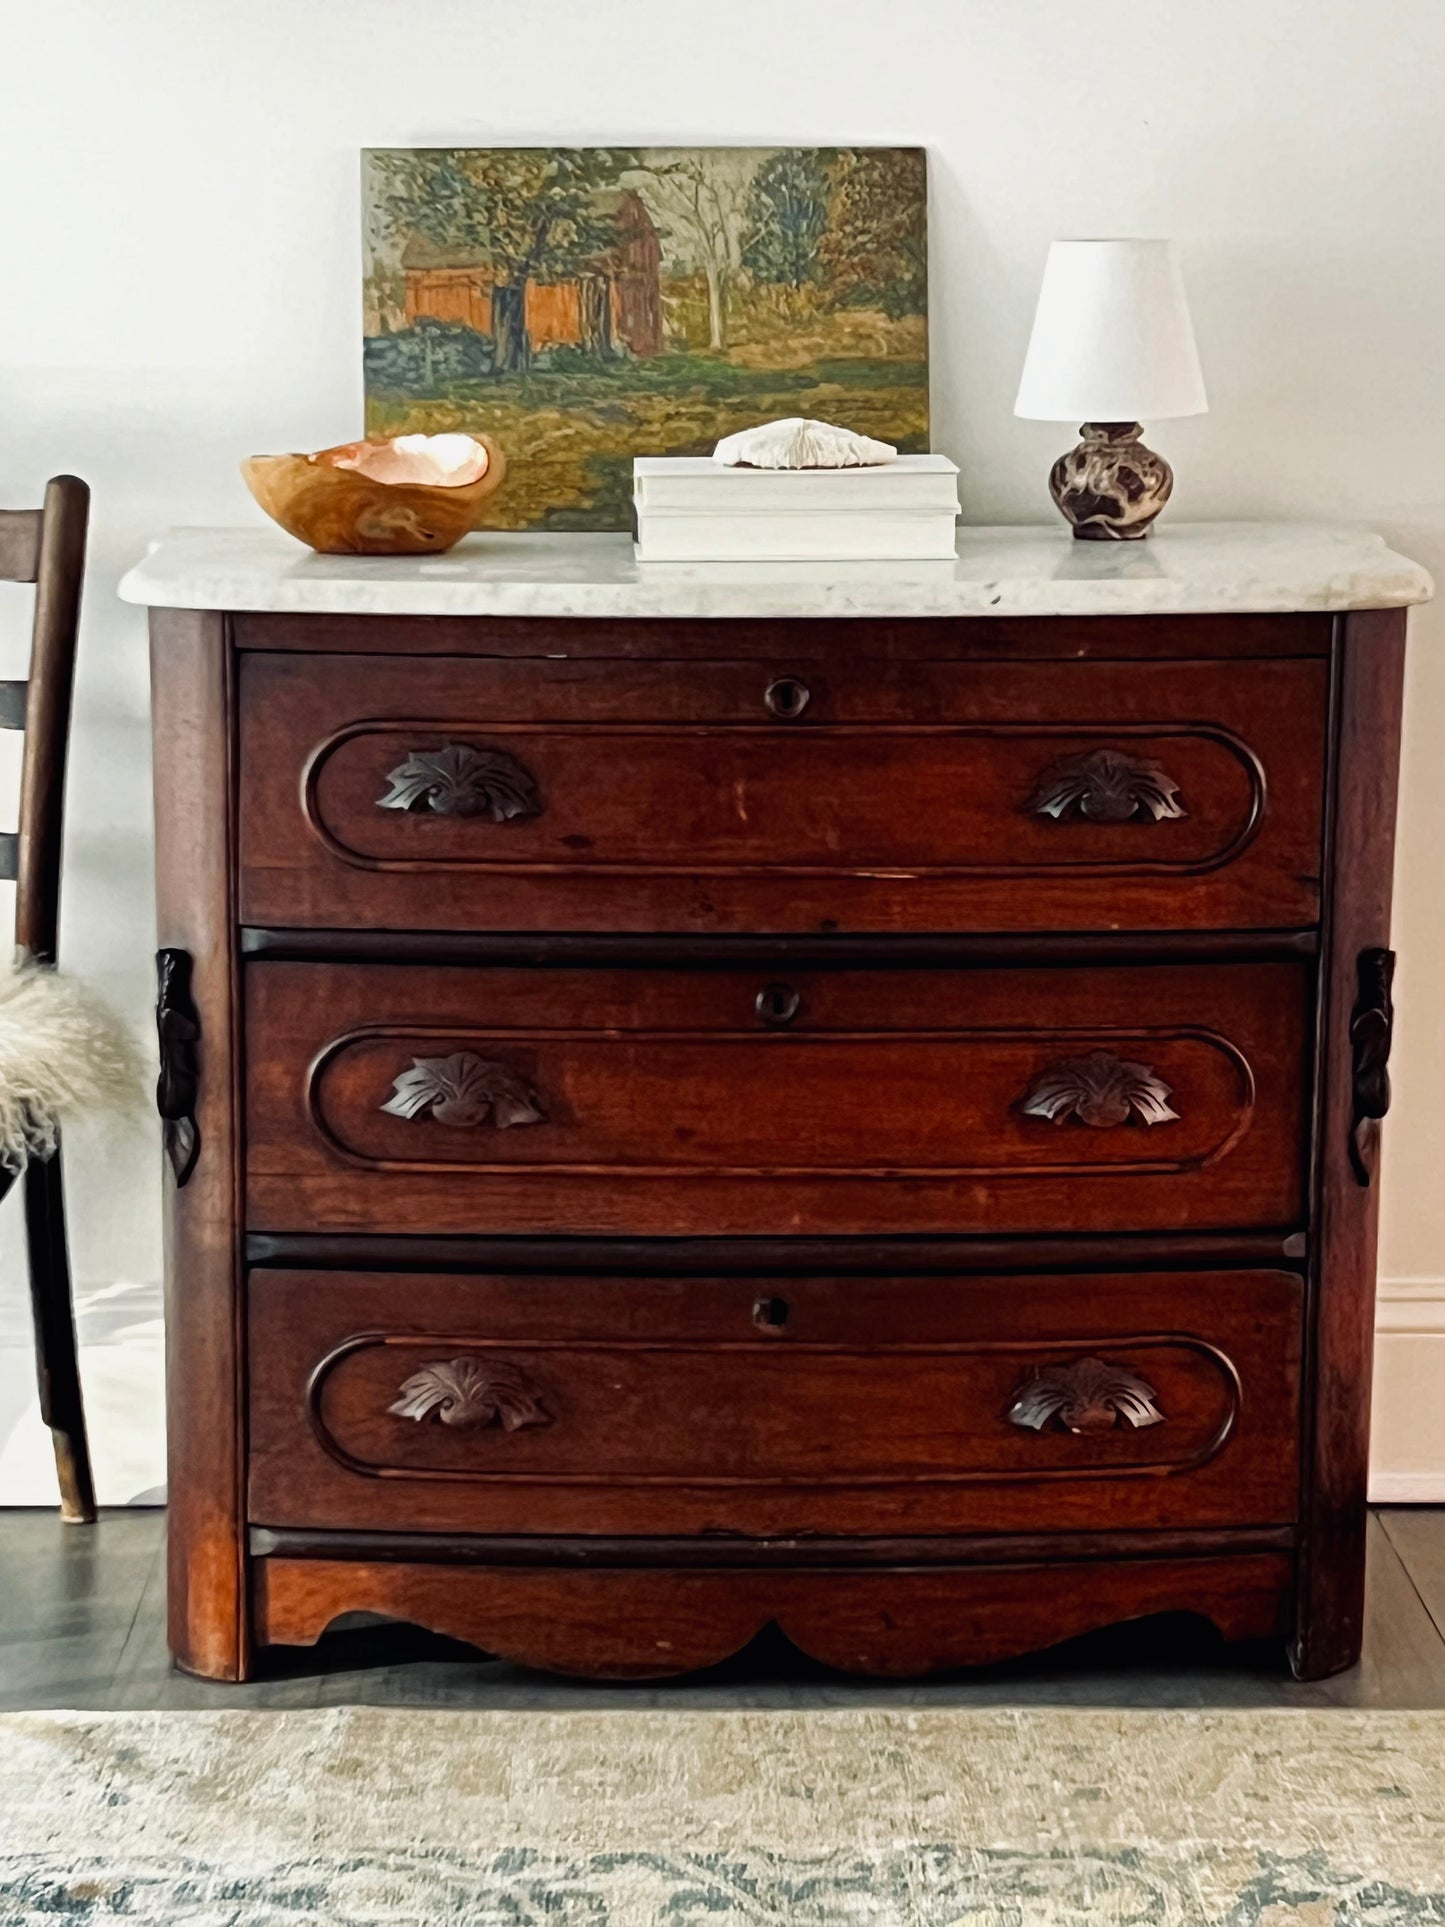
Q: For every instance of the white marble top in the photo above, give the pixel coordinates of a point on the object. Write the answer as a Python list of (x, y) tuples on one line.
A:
[(1181, 569)]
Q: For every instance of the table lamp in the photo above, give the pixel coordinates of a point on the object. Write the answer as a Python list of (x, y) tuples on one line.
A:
[(1112, 344)]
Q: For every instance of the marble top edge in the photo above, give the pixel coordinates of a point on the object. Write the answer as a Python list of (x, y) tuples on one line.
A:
[(1024, 570)]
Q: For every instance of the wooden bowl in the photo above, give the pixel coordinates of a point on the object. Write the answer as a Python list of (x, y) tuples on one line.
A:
[(412, 495)]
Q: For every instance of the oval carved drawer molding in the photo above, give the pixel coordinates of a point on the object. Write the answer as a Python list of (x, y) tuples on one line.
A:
[(1100, 1090), (722, 1412), (605, 781), (1085, 1396), (459, 780), (464, 1091), (893, 1097), (669, 797), (1107, 786), (468, 1391)]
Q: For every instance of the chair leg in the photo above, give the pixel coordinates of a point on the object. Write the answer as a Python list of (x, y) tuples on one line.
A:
[(57, 1362)]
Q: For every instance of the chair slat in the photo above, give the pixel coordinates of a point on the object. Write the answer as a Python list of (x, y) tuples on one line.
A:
[(19, 544), (14, 699), (9, 856), (58, 575)]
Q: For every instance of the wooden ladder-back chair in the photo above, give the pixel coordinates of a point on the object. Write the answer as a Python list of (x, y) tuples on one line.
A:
[(46, 546)]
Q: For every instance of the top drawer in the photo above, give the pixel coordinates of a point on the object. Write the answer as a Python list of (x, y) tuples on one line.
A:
[(484, 794)]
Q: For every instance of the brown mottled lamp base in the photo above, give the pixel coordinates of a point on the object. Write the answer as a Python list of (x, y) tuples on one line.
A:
[(1110, 488)]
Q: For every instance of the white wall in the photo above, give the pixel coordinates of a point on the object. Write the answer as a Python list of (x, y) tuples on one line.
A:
[(179, 269)]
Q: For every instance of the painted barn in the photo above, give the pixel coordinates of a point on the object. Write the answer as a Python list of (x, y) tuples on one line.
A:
[(616, 302)]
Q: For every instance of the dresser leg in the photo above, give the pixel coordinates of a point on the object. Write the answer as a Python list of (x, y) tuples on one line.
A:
[(1330, 1638), (236, 1673)]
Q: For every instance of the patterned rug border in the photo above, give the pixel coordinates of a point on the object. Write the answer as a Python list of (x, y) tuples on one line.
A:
[(994, 1817)]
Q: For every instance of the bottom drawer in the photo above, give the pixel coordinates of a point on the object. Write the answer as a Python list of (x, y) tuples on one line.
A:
[(568, 1405)]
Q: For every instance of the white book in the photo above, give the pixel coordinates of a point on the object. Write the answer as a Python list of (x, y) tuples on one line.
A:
[(869, 535), (696, 483)]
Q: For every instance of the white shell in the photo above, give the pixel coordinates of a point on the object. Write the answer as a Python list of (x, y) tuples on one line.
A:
[(796, 443)]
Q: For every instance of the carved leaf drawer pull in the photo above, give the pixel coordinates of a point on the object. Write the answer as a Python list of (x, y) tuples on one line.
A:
[(1107, 786), (1086, 1396), (457, 780), (465, 1391), (1100, 1090), (464, 1091)]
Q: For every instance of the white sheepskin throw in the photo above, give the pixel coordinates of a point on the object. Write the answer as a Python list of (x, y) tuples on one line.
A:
[(63, 1055)]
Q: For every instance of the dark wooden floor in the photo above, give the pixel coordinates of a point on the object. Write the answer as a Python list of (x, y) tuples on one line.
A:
[(82, 1624)]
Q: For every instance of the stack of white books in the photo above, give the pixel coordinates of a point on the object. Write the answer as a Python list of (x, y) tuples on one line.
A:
[(691, 508)]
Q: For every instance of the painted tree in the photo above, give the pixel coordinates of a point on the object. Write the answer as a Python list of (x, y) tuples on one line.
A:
[(532, 213), (700, 202), (874, 250), (787, 209)]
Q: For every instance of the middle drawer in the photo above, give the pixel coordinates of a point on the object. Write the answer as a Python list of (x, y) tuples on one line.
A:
[(389, 1098)]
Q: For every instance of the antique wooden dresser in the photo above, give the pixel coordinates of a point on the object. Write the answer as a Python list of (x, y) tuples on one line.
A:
[(844, 1097)]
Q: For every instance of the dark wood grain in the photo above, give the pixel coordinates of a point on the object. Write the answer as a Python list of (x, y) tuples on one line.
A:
[(665, 1408), (62, 1404), (1367, 706), (907, 951), (665, 795), (674, 1257), (647, 1157), (722, 1553), (60, 573), (191, 712), (651, 1625), (82, 1625), (771, 640), (893, 1103)]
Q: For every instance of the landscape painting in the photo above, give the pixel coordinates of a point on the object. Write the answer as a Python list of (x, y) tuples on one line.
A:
[(585, 305)]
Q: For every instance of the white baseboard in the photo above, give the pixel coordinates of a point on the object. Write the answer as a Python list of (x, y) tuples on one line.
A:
[(1410, 1305), (1407, 1439), (1407, 1488)]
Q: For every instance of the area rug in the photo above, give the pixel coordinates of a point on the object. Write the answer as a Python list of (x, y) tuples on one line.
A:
[(697, 1819)]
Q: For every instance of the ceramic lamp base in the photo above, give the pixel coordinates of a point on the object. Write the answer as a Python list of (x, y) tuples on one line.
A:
[(1110, 488)]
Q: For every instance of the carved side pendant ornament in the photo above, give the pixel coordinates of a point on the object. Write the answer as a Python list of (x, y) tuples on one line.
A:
[(460, 780), (179, 1030), (1107, 786), (1085, 1396), (1100, 1090), (472, 1392), (464, 1091), (1372, 1027)]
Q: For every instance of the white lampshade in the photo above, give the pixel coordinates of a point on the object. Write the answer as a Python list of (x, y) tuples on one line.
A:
[(1112, 339)]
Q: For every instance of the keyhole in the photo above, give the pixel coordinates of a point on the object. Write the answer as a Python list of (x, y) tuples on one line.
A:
[(787, 697), (777, 1003), (771, 1314)]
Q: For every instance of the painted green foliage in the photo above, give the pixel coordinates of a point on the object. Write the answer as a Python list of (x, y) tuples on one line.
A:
[(786, 214), (585, 305)]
